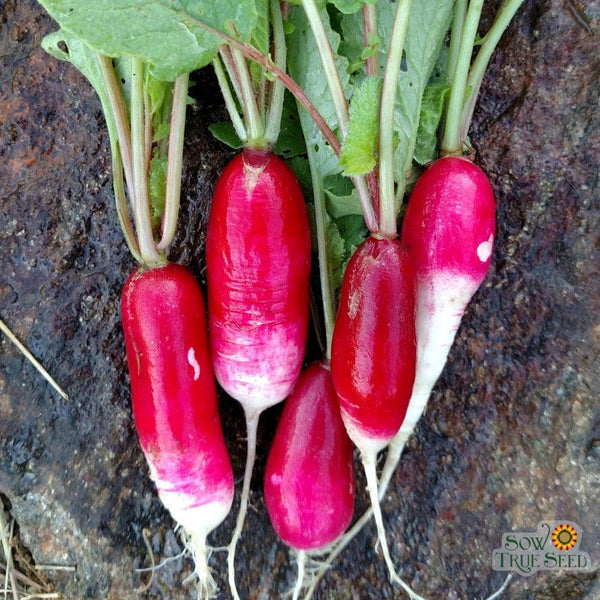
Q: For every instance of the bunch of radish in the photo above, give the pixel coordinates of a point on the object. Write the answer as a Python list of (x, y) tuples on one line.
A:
[(388, 329), (447, 238)]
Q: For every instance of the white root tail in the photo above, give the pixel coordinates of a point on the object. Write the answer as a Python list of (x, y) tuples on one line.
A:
[(251, 427), (369, 463), (195, 543), (301, 559)]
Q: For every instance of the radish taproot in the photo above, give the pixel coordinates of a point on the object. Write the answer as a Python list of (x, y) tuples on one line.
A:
[(373, 356), (309, 478), (258, 267), (175, 403), (448, 229)]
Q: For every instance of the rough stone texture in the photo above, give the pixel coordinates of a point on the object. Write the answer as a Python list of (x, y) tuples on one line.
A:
[(512, 433)]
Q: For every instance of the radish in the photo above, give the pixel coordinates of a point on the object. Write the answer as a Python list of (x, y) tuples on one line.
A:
[(258, 264), (448, 230), (309, 479), (450, 220), (373, 356), (258, 247), (163, 311), (175, 403), (258, 267), (373, 348)]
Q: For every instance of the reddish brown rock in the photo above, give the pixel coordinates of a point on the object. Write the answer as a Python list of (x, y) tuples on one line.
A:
[(512, 433)]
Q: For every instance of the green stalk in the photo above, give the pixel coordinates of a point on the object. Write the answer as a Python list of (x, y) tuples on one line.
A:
[(369, 29), (140, 204), (490, 41), (234, 115), (165, 111), (324, 267), (329, 66), (273, 120), (117, 124), (387, 204), (121, 201), (254, 122), (458, 24), (258, 57), (119, 114), (452, 144), (366, 205), (340, 103), (174, 161), (147, 124), (230, 68)]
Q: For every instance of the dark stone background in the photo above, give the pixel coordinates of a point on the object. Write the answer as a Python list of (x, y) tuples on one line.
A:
[(512, 434)]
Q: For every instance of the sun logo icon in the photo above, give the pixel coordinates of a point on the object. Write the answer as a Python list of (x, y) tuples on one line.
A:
[(564, 537)]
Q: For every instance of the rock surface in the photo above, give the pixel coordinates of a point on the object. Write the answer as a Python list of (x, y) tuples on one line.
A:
[(512, 433)]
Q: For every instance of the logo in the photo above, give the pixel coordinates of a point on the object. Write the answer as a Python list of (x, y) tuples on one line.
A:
[(564, 537), (555, 545)]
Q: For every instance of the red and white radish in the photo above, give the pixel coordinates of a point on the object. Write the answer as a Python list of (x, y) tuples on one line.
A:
[(309, 478), (175, 403), (373, 347), (448, 230), (373, 355), (258, 267)]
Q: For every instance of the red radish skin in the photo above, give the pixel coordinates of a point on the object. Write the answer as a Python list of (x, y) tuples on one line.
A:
[(309, 480), (373, 346), (448, 230), (258, 267), (309, 477), (373, 355), (175, 403)]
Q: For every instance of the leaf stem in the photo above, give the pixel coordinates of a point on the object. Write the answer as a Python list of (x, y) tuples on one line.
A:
[(458, 24), (147, 124), (119, 112), (174, 161), (326, 280), (369, 30), (231, 69), (452, 143), (140, 204), (253, 119), (387, 204), (329, 66), (273, 120), (258, 57), (336, 89), (490, 41), (121, 200), (364, 196), (117, 124), (234, 115)]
